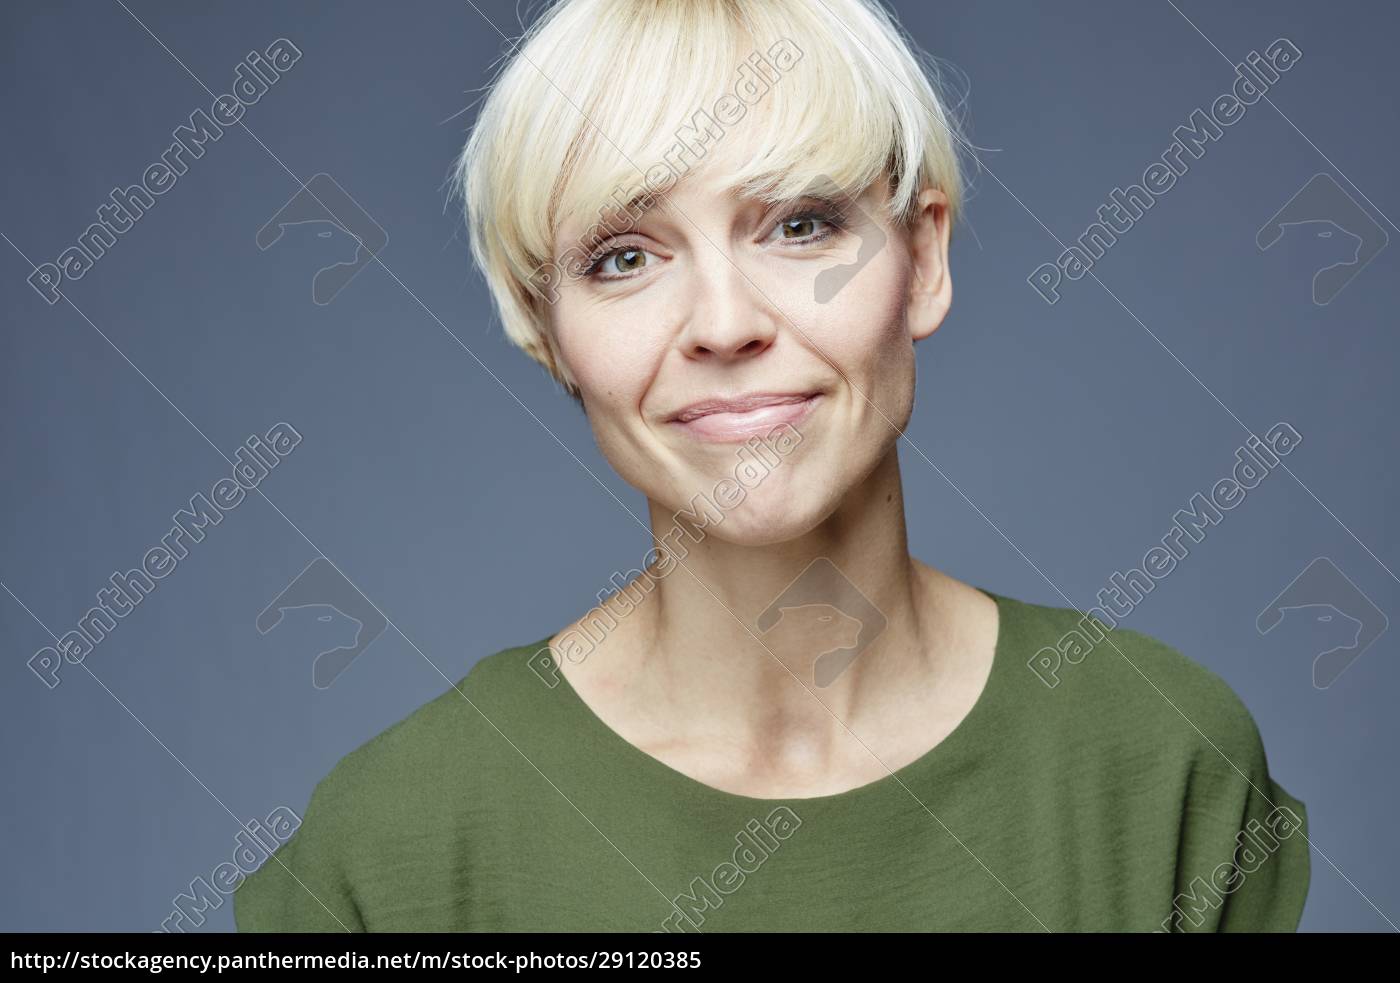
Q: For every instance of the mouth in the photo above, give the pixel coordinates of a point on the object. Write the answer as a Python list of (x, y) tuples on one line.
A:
[(742, 417)]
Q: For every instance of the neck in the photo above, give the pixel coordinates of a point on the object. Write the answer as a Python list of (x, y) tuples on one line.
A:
[(742, 636), (728, 664)]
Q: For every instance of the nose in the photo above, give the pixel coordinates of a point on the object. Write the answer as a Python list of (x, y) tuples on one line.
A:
[(729, 320)]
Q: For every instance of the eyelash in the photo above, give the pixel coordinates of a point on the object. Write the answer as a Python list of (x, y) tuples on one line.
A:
[(592, 266)]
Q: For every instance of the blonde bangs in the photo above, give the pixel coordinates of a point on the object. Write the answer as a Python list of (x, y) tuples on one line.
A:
[(607, 100)]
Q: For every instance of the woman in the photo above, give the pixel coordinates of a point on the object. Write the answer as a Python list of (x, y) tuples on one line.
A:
[(722, 225)]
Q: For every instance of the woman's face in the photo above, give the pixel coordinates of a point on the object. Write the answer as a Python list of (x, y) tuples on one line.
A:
[(717, 318)]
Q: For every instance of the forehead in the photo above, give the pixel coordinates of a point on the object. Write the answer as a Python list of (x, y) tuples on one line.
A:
[(764, 156), (716, 180)]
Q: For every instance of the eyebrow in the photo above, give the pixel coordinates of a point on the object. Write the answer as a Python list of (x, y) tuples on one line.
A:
[(637, 206), (614, 222), (622, 219)]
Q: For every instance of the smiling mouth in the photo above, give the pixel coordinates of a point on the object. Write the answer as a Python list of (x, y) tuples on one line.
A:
[(744, 416)]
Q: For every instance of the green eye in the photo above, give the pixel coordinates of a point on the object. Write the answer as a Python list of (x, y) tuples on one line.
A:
[(617, 264), (628, 260)]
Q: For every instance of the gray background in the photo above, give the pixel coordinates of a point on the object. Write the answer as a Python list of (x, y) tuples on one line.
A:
[(1074, 431)]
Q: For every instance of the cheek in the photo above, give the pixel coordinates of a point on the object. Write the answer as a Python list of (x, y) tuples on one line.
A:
[(613, 355), (608, 352), (863, 328)]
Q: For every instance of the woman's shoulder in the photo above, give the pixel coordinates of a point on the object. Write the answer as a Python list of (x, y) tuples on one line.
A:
[(1130, 721), (1088, 673), (497, 692), (456, 741), (379, 808)]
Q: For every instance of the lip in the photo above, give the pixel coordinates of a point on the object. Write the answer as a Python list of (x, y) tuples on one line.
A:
[(740, 417)]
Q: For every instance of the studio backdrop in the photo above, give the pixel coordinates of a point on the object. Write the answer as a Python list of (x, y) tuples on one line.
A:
[(305, 424)]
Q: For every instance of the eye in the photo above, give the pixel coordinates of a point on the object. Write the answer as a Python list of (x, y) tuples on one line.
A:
[(619, 263), (805, 228)]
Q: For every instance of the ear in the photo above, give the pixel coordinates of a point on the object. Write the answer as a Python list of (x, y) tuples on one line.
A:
[(930, 286)]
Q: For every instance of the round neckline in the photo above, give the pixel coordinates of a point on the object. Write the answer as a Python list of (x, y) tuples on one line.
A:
[(949, 747)]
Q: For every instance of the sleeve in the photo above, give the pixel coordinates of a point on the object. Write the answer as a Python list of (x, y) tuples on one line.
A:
[(1244, 860), (303, 886), (1272, 865)]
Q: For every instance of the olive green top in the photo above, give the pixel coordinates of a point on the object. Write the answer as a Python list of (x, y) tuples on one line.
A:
[(1134, 795)]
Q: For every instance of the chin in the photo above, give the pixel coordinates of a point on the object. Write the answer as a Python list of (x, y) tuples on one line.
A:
[(769, 529), (777, 512)]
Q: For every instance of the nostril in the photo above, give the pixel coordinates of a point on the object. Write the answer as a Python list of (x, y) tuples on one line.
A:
[(724, 351)]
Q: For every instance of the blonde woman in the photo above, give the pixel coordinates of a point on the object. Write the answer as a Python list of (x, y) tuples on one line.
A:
[(722, 226)]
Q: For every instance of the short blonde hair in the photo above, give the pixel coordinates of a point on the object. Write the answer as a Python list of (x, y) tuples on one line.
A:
[(599, 96)]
